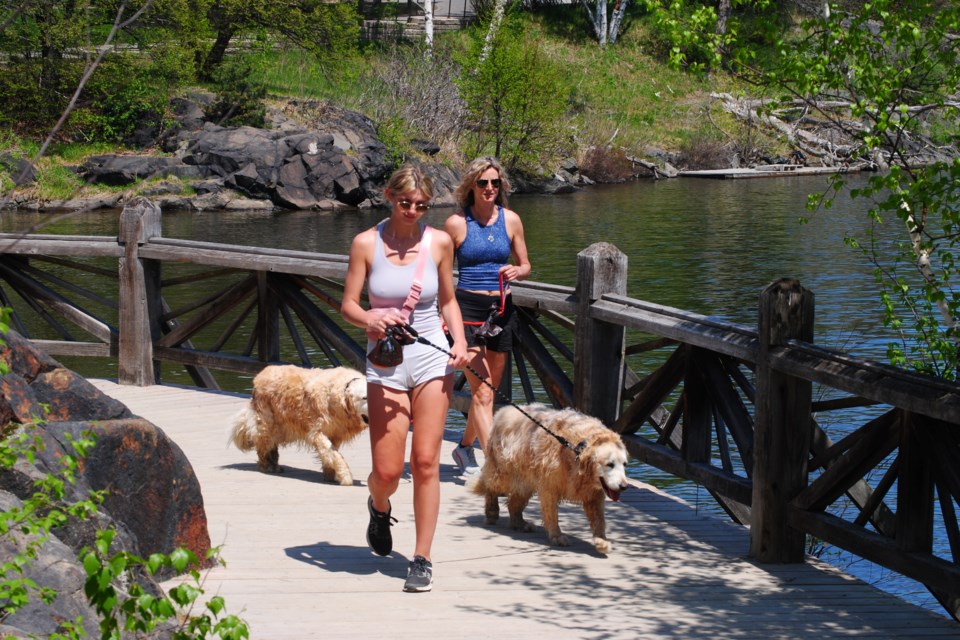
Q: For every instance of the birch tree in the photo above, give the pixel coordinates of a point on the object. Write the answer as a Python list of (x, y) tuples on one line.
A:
[(494, 28), (606, 30)]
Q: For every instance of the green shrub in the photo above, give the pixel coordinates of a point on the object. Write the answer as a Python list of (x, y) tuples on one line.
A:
[(241, 94), (516, 99)]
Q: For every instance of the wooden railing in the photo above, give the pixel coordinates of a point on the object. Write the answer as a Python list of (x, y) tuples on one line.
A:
[(727, 406)]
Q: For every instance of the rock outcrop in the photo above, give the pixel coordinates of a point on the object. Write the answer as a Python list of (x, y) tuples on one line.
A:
[(311, 155), (152, 498)]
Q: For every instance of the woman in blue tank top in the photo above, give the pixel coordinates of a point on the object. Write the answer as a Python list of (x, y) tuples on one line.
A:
[(385, 258), (491, 252)]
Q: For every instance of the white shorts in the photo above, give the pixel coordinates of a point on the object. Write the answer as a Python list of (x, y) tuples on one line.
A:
[(421, 363)]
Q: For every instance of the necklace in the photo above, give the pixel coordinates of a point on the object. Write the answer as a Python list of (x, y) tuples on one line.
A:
[(488, 227)]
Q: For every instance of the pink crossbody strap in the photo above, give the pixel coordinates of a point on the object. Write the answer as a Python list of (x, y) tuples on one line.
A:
[(414, 296)]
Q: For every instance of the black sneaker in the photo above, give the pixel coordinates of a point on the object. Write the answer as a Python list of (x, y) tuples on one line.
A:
[(419, 575), (378, 531)]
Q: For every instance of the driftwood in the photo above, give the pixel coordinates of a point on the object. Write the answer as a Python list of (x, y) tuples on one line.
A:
[(824, 130), (808, 141)]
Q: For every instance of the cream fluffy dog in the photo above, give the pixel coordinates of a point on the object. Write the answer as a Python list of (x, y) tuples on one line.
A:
[(323, 408), (521, 459)]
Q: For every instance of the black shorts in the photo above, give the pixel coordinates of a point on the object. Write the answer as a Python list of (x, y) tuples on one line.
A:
[(475, 309)]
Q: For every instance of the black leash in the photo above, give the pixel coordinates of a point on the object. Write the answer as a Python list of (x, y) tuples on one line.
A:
[(411, 332)]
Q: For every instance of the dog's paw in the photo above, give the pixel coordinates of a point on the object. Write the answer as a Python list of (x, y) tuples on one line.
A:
[(346, 480), (560, 540), (270, 468), (521, 525), (602, 545)]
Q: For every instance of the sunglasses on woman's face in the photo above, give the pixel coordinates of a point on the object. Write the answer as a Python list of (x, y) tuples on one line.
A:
[(494, 182), (406, 204)]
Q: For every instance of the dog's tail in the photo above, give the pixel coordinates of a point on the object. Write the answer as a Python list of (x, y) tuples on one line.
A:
[(243, 429), (474, 484)]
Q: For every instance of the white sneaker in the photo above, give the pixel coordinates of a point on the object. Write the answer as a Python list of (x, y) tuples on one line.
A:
[(465, 460)]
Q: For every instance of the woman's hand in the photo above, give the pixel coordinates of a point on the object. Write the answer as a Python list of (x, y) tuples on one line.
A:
[(509, 273), (379, 319), (458, 354)]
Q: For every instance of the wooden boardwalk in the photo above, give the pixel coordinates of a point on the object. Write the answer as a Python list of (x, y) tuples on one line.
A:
[(298, 566)]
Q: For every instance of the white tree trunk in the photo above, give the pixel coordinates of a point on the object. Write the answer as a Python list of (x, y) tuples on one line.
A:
[(494, 28), (618, 10), (602, 10), (428, 25), (605, 31), (923, 265)]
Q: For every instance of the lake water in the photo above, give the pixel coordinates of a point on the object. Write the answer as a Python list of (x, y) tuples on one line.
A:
[(708, 246)]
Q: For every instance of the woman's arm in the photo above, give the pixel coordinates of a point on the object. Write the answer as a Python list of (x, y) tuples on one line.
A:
[(456, 228), (373, 321), (447, 300), (520, 268)]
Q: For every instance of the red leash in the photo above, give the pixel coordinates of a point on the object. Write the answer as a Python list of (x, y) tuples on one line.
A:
[(503, 304)]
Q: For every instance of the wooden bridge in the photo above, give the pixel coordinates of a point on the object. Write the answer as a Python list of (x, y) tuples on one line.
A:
[(298, 566), (728, 406)]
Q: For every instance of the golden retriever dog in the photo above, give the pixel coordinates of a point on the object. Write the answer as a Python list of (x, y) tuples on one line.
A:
[(521, 459), (322, 408)]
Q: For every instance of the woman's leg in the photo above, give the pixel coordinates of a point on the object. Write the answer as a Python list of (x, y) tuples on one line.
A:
[(430, 403), (389, 412), (490, 365)]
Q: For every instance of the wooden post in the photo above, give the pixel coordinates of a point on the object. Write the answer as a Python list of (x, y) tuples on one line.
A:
[(914, 489), (268, 320), (783, 425), (139, 322), (598, 360)]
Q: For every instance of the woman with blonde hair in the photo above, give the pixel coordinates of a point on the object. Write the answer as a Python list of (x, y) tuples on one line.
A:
[(491, 253), (390, 258)]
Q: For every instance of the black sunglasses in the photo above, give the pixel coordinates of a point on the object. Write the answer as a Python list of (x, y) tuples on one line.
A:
[(482, 183)]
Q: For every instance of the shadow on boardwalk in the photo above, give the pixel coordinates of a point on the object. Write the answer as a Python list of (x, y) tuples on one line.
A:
[(298, 566)]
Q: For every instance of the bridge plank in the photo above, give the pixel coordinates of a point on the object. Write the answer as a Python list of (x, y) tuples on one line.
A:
[(298, 566)]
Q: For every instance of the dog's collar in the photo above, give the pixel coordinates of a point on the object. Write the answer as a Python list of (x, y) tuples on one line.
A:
[(350, 382)]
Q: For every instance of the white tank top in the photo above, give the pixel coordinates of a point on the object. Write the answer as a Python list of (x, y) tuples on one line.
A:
[(388, 285)]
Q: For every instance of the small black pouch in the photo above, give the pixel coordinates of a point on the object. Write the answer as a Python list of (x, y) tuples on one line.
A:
[(387, 352)]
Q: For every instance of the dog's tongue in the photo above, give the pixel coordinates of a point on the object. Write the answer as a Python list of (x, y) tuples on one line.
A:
[(613, 494)]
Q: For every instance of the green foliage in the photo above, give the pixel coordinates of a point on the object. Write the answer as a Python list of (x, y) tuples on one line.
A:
[(515, 97), (894, 61), (122, 611), (689, 35), (51, 45), (325, 29), (57, 182), (294, 72), (138, 611), (240, 95), (41, 513)]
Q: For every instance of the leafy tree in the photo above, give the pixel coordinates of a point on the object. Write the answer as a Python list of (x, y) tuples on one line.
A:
[(52, 49), (897, 64), (515, 98), (890, 67), (321, 27), (699, 35)]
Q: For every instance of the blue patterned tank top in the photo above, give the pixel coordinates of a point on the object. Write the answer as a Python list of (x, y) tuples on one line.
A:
[(484, 250)]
